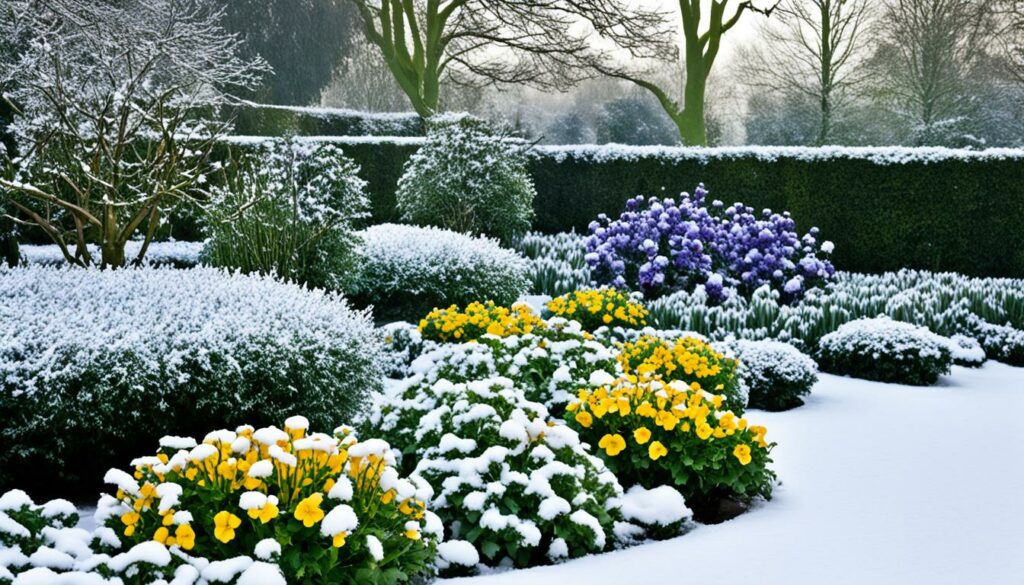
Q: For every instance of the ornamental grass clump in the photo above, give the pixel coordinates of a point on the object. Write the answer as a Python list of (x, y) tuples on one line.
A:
[(596, 308), (685, 359), (324, 509), (521, 490), (479, 319), (884, 350), (407, 271), (124, 357), (653, 433), (660, 246)]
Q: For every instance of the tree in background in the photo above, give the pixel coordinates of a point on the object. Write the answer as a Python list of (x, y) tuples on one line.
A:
[(119, 117), (635, 119), (810, 51), (542, 43), (304, 41), (702, 33)]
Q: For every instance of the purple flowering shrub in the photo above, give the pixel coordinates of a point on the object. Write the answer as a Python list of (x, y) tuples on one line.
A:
[(660, 246)]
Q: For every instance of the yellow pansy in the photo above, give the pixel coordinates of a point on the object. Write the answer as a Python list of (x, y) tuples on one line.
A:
[(612, 444), (308, 511), (225, 524), (584, 419), (656, 451), (185, 536), (642, 435), (742, 453)]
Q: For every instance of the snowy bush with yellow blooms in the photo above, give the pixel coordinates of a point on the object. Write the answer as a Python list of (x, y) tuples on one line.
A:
[(653, 432), (522, 489), (685, 359), (478, 319), (602, 307)]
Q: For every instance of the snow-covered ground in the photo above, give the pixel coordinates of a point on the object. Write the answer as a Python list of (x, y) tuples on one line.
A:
[(882, 484)]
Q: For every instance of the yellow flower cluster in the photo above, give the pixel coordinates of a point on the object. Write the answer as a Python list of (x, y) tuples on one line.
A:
[(675, 414), (479, 319), (235, 484), (687, 359), (593, 308)]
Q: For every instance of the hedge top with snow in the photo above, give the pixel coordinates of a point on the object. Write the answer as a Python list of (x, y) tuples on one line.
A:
[(157, 315)]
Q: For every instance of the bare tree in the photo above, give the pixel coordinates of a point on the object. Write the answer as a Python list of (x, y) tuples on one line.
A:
[(362, 82), (542, 43), (927, 52), (702, 33), (811, 49), (118, 117)]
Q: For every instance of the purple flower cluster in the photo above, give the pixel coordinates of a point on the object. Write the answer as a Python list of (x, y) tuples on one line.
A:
[(660, 246)]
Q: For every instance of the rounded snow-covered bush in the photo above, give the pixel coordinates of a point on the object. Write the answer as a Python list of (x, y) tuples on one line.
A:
[(777, 375), (548, 367), (884, 350), (467, 180), (407, 271), (95, 363), (1001, 342), (519, 489), (966, 351)]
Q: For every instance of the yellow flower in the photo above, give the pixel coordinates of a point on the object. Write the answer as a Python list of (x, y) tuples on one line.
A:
[(704, 431), (642, 435), (130, 518), (185, 536), (583, 417), (161, 534), (742, 453), (612, 444), (268, 512), (339, 539), (224, 526), (308, 511), (412, 534), (656, 451), (129, 530)]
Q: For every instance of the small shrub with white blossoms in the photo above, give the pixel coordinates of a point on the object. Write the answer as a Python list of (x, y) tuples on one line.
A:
[(123, 357), (406, 271), (325, 509), (884, 350), (548, 366), (660, 246), (777, 375), (1001, 342), (469, 180), (522, 490)]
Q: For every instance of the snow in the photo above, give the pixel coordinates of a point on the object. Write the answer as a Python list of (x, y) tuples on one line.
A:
[(882, 484), (662, 505), (458, 553), (177, 253), (267, 549)]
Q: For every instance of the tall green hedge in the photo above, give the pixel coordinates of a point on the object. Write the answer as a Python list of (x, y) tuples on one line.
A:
[(885, 209)]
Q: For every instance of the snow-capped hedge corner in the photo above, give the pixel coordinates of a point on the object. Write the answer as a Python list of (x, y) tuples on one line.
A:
[(885, 350), (405, 271), (122, 357), (520, 490), (777, 375)]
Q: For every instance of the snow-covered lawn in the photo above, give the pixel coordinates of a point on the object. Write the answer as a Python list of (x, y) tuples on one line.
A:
[(881, 484)]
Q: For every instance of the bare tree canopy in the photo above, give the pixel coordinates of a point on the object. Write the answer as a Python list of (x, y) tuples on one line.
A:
[(543, 43), (813, 48), (118, 114)]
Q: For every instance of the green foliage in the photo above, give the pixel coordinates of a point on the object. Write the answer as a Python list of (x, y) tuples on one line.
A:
[(289, 210), (468, 180)]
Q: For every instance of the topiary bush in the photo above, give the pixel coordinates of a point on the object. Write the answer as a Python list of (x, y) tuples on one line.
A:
[(884, 350), (520, 490), (467, 180), (290, 209), (123, 357), (777, 375), (406, 271)]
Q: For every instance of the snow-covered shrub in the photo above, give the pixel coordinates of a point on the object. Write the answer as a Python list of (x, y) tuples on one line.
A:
[(290, 209), (309, 493), (123, 357), (176, 254), (688, 360), (548, 367), (507, 481), (777, 375), (884, 350), (1001, 342), (402, 344), (655, 433), (966, 351), (659, 246), (661, 512), (479, 319), (557, 262), (406, 271), (467, 180), (602, 307)]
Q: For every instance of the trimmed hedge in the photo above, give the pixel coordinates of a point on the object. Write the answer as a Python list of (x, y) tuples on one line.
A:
[(885, 209), (267, 120)]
